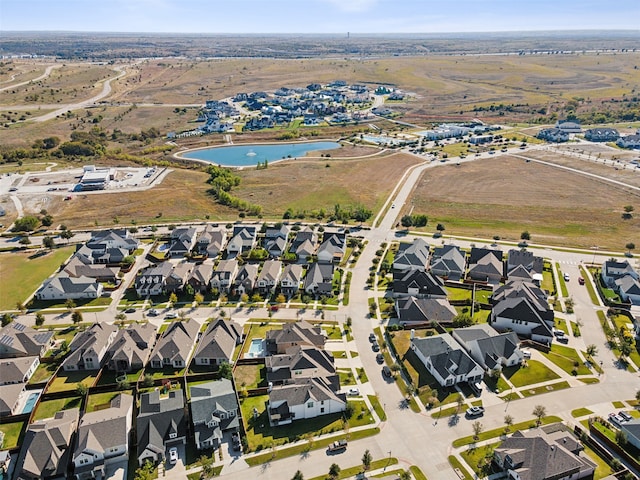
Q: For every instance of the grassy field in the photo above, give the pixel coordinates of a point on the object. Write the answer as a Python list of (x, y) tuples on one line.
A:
[(20, 276), (100, 401), (566, 217), (66, 381)]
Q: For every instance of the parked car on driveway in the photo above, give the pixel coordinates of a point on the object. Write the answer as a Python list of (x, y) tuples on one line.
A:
[(353, 392), (173, 455), (171, 315), (475, 412)]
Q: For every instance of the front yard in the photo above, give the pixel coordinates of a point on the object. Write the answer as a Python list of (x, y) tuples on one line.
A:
[(531, 373)]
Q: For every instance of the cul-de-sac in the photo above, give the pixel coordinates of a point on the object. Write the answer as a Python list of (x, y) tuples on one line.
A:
[(319, 257)]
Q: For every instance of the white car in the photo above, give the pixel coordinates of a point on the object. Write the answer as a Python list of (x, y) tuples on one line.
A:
[(173, 455), (526, 353), (171, 315), (566, 277), (353, 392)]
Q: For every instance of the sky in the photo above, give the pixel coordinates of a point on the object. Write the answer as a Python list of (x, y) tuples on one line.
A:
[(317, 16)]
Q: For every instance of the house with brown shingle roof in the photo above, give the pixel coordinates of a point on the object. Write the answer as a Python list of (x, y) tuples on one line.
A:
[(218, 343), (294, 334)]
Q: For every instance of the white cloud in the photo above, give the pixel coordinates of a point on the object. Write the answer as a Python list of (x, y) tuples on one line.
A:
[(353, 5)]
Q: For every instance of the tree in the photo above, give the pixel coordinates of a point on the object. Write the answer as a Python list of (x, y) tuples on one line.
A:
[(539, 411), (638, 395), (280, 298), (39, 319), (630, 246), (70, 304), (477, 429), (28, 223), (525, 235), (47, 220), (206, 462), (592, 351), (25, 240), (6, 319), (298, 476), (198, 298), (366, 460), (173, 298), (440, 227), (66, 235), (334, 470), (147, 380), (407, 221), (76, 316), (81, 389), (244, 298), (146, 472), (508, 421), (128, 260), (628, 209), (225, 370), (120, 317), (49, 242)]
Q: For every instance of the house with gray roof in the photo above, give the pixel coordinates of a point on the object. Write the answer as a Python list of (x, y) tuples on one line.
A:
[(612, 270), (246, 279), (19, 340), (490, 349), (527, 259), (200, 277), (632, 430), (423, 311), (183, 240), (413, 255), (17, 370), (153, 279), (178, 277), (628, 288), (64, 287), (418, 283), (269, 275), (214, 411), (534, 455), (243, 238), (293, 334), (108, 247), (524, 316), (88, 348), (218, 343), (131, 347), (319, 279), (304, 244), (601, 134), (487, 268), (11, 396), (174, 347), (103, 439), (332, 248), (629, 141), (79, 267), (211, 241), (224, 275), (301, 362), (275, 246), (279, 230), (448, 261), (290, 279), (446, 360), (303, 399), (553, 135), (161, 423), (47, 447)]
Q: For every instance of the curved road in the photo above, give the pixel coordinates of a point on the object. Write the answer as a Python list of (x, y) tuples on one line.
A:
[(46, 73)]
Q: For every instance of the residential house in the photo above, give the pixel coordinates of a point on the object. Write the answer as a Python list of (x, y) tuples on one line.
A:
[(487, 268), (131, 347), (332, 248), (568, 126), (218, 343), (446, 360), (88, 348), (319, 279), (211, 241), (553, 135), (64, 287), (540, 456), (275, 247), (524, 315), (418, 283), (601, 134), (304, 244), (243, 238), (246, 279), (301, 362), (632, 431), (279, 230), (103, 439), (629, 141), (11, 396), (290, 279), (78, 267), (412, 255), (152, 280), (305, 398), (613, 270), (448, 261), (269, 275), (520, 273), (294, 334), (224, 274), (178, 277), (160, 424), (628, 288), (108, 246), (46, 447), (17, 370), (19, 340), (527, 259), (490, 349), (174, 347), (421, 311), (214, 411), (200, 277), (182, 242)]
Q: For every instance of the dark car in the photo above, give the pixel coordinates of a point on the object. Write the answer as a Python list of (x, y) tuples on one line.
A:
[(235, 442), (375, 346), (372, 337), (130, 310), (386, 371), (380, 358)]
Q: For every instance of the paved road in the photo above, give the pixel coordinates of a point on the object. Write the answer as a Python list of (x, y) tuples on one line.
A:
[(46, 73)]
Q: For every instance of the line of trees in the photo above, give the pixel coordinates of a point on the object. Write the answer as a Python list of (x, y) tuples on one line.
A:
[(222, 181)]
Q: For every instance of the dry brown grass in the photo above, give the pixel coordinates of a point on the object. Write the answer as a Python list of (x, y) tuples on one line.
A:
[(505, 196)]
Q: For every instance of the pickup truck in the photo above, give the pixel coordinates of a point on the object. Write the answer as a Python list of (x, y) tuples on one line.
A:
[(337, 446)]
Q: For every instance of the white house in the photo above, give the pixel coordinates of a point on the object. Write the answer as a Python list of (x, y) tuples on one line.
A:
[(64, 287)]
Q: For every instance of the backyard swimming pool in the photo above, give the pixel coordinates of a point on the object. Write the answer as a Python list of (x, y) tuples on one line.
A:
[(256, 349), (250, 155), (30, 403)]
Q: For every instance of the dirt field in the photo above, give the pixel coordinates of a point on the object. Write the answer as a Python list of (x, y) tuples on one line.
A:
[(505, 196)]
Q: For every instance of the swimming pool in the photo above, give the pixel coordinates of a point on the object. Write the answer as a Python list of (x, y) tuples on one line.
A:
[(30, 403), (250, 155), (256, 349)]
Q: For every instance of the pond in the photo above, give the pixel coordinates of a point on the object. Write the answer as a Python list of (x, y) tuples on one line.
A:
[(250, 155)]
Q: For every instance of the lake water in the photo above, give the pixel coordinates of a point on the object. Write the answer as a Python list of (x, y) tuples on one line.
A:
[(250, 155)]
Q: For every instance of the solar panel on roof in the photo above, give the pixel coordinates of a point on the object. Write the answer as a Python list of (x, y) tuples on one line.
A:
[(19, 326), (6, 340), (42, 337)]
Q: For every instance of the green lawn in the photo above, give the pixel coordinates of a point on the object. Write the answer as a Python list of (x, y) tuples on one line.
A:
[(375, 403), (496, 432), (533, 372), (563, 285), (350, 472), (545, 389), (108, 377), (567, 359), (12, 433), (603, 469), (479, 459), (455, 464), (43, 372), (100, 401), (592, 293), (20, 276), (454, 293), (417, 473), (580, 412), (66, 381), (49, 408)]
